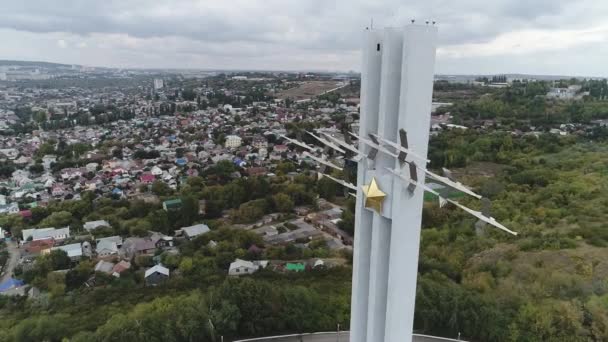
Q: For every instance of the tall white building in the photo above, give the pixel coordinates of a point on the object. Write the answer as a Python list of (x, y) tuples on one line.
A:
[(233, 141), (158, 83), (396, 94)]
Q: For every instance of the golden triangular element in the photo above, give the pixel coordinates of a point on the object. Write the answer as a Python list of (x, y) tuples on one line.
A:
[(374, 197)]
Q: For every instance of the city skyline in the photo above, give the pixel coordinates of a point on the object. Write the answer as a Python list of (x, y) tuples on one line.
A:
[(544, 38)]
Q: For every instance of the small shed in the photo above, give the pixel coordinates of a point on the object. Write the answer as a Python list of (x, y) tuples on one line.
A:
[(295, 267), (172, 204), (156, 275)]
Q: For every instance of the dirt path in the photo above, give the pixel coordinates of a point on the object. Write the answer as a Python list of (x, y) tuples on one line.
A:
[(13, 260)]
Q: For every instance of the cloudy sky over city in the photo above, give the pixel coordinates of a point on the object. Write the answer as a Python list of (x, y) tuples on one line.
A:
[(558, 37)]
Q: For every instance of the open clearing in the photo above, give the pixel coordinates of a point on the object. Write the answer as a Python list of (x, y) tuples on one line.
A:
[(308, 89)]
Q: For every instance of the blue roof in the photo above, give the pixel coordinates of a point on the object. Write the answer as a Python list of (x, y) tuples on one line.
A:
[(181, 161), (10, 284), (117, 191)]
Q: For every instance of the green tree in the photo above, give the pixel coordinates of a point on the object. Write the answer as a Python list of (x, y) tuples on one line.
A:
[(36, 168), (159, 220), (183, 318), (59, 259), (76, 277), (251, 211), (56, 284), (285, 167), (39, 116), (57, 219), (225, 317), (189, 210), (283, 203), (327, 188), (43, 328), (160, 188), (13, 223), (140, 227)]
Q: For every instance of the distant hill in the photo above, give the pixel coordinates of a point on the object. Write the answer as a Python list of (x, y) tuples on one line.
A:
[(33, 64), (472, 77)]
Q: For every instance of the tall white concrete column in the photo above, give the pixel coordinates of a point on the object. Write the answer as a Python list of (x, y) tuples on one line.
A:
[(418, 67), (392, 48), (370, 98), (396, 93)]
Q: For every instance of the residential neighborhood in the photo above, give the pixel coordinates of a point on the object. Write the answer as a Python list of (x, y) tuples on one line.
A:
[(119, 187), (154, 137), (149, 140)]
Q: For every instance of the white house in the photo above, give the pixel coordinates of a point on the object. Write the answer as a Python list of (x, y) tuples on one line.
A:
[(46, 233), (106, 248), (260, 142), (203, 155), (156, 275), (92, 167), (117, 239), (194, 231), (11, 208), (573, 92), (48, 160), (20, 176), (233, 141), (104, 267), (92, 225), (156, 171), (243, 267), (10, 153), (71, 173), (220, 157), (262, 153), (22, 161), (158, 83), (74, 250)]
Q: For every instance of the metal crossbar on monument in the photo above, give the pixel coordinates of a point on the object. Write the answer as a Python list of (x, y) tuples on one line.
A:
[(411, 181)]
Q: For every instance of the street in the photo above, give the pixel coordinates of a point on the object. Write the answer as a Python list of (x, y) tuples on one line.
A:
[(12, 262)]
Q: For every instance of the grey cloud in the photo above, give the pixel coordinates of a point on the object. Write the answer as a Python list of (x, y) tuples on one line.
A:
[(314, 22), (319, 31)]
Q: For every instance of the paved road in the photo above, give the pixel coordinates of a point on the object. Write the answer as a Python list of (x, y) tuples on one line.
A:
[(332, 337), (12, 262)]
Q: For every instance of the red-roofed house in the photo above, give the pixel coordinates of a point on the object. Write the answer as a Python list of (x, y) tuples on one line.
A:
[(120, 267), (280, 148), (25, 213), (147, 178), (35, 247)]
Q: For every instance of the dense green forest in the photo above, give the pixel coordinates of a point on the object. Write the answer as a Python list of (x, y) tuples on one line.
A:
[(547, 284)]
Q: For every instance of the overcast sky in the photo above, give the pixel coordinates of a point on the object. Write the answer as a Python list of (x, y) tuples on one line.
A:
[(562, 37)]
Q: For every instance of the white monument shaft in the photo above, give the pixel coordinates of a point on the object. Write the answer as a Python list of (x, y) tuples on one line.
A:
[(396, 93)]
